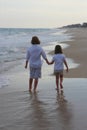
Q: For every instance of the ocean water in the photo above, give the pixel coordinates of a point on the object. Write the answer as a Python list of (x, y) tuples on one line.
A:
[(14, 42)]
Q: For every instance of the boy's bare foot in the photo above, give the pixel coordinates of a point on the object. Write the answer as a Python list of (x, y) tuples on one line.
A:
[(30, 90), (34, 90)]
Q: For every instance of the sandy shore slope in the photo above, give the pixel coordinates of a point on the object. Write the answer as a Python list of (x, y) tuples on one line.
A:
[(78, 52)]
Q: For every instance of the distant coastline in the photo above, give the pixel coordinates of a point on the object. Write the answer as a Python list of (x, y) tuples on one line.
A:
[(78, 25)]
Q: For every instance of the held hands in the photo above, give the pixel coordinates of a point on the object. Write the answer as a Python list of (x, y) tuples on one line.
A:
[(49, 63)]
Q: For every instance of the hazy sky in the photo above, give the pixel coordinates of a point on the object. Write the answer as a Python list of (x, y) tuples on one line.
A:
[(42, 13)]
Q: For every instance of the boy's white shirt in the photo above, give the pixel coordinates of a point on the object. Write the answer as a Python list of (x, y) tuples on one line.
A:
[(34, 54)]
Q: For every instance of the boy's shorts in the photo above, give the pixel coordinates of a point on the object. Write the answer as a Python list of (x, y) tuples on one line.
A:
[(35, 72), (60, 72)]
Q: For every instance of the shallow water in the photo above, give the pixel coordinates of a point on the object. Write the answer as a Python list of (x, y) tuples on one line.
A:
[(46, 109), (14, 43), (35, 111)]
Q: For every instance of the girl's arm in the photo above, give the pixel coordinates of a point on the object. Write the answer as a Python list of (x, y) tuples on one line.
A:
[(66, 65)]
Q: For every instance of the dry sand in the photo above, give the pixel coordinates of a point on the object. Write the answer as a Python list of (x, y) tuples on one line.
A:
[(78, 52)]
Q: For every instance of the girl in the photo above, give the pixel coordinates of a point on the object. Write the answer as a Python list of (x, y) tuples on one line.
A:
[(34, 54), (59, 60)]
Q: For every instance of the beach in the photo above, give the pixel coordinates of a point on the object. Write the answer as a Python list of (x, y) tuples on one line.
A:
[(47, 109), (78, 51)]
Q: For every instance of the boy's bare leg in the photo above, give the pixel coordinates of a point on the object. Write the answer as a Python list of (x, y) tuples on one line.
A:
[(30, 84), (35, 84)]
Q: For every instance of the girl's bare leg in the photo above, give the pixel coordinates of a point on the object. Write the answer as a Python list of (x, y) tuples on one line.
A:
[(57, 82), (61, 81), (35, 84), (30, 84)]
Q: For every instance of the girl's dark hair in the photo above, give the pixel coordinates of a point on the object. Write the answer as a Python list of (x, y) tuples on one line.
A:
[(35, 40), (58, 49)]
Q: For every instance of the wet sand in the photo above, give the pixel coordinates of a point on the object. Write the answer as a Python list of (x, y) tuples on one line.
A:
[(46, 109)]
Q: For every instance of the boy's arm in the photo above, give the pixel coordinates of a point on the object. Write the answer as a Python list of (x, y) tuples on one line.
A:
[(26, 63), (27, 58), (66, 65), (44, 56), (49, 63)]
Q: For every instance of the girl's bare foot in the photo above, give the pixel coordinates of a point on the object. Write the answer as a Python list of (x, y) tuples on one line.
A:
[(57, 89), (61, 86)]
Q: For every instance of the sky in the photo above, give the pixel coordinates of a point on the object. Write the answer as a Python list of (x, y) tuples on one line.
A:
[(42, 13)]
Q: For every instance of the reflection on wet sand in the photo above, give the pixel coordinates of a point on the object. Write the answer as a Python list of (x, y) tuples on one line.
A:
[(39, 115), (64, 112), (47, 111)]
